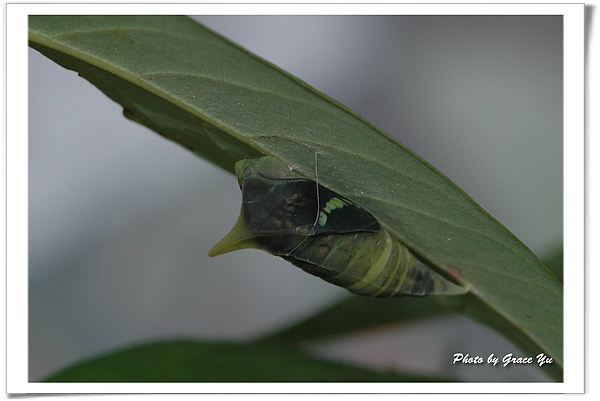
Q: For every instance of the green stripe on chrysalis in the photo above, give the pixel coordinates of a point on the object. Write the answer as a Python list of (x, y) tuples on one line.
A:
[(324, 234)]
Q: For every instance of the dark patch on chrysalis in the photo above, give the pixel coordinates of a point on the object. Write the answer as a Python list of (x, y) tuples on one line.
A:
[(290, 206)]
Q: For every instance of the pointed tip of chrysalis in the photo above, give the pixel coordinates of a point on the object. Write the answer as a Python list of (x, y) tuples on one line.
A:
[(238, 238)]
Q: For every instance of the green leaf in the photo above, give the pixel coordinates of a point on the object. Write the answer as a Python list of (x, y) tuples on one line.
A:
[(194, 361), (354, 314), (209, 95), (554, 261)]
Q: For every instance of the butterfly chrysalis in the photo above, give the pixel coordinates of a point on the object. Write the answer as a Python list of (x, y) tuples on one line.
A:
[(325, 234)]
